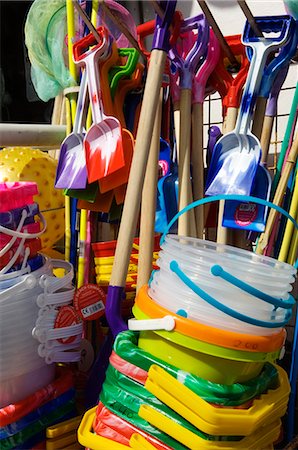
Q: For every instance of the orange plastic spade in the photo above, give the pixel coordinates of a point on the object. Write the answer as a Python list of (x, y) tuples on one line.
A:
[(103, 141)]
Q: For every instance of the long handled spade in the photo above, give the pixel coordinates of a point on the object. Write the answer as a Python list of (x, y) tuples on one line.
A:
[(138, 167), (278, 197)]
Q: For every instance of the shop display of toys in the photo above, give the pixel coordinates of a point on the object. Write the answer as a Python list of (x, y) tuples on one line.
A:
[(171, 336)]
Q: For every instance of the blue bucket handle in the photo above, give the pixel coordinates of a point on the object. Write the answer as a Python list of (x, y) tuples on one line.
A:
[(174, 266), (216, 198), (217, 270)]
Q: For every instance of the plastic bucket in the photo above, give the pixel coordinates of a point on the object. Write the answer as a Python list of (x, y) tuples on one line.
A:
[(15, 389), (240, 259), (210, 333), (214, 369), (186, 282), (208, 315)]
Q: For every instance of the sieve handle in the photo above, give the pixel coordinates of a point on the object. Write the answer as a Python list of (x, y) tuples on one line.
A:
[(174, 266), (236, 197)]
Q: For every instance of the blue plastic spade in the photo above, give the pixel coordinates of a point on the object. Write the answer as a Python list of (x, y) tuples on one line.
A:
[(237, 154)]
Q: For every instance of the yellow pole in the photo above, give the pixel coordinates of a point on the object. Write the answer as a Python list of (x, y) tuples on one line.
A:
[(70, 114), (288, 234), (84, 212)]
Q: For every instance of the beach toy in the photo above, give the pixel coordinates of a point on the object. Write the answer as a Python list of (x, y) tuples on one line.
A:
[(15, 195), (62, 383), (198, 95), (27, 164), (11, 218), (63, 434), (38, 413), (210, 334), (226, 83), (125, 400), (237, 395), (45, 32), (262, 438), (240, 149), (110, 71), (252, 216), (89, 439), (103, 141), (122, 16), (71, 171), (280, 59), (214, 364), (186, 54), (109, 425), (137, 172), (266, 409), (126, 347), (39, 426), (183, 260)]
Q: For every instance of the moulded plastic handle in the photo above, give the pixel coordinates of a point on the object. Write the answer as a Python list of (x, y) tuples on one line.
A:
[(174, 266), (161, 38), (81, 49), (28, 282), (218, 271)]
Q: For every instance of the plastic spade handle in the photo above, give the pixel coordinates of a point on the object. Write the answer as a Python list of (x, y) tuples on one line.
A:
[(78, 123), (90, 59), (187, 65), (207, 67)]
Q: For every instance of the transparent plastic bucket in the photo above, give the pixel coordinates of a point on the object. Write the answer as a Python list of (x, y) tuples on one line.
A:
[(238, 257), (17, 387), (196, 259)]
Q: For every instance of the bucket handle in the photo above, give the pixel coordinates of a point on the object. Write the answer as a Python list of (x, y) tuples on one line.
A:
[(216, 198), (218, 271), (174, 266)]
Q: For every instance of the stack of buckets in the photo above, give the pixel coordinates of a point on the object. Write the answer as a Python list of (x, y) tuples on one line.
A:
[(208, 377), (104, 258), (21, 369), (23, 424), (33, 394)]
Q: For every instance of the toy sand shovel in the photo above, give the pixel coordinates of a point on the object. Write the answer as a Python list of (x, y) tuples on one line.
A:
[(197, 156), (237, 154), (103, 141), (271, 71), (71, 170), (138, 167), (186, 57)]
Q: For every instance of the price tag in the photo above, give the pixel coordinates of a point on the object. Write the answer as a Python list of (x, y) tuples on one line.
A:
[(89, 302), (66, 317)]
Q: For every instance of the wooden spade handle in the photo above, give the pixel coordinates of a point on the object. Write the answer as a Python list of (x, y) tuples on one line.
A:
[(137, 172), (278, 197), (224, 233), (148, 205), (289, 230), (184, 161), (176, 111), (197, 159), (259, 114), (266, 137)]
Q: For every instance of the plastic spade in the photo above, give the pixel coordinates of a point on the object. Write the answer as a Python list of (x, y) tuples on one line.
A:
[(71, 170), (237, 154), (186, 56), (103, 141)]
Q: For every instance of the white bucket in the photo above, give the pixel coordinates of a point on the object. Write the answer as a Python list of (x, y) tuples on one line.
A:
[(195, 258)]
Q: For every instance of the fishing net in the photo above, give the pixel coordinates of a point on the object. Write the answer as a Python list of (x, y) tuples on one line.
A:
[(45, 39)]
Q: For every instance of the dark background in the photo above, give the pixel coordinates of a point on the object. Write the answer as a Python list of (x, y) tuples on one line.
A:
[(19, 102)]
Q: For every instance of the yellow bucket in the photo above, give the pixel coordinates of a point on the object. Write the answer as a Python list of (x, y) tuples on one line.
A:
[(212, 368)]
